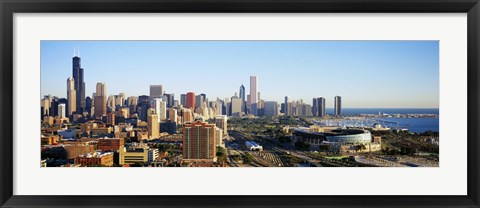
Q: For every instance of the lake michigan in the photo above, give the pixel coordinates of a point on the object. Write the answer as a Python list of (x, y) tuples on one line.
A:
[(417, 125)]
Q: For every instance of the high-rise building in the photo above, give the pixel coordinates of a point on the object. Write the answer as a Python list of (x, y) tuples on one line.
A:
[(187, 115), (156, 91), (261, 107), (287, 109), (338, 106), (111, 119), (199, 101), (199, 141), (142, 107), (190, 100), (101, 89), (172, 114), (318, 108), (111, 103), (271, 108), (170, 99), (62, 110), (88, 104), (253, 89), (77, 71), (71, 96), (132, 103), (253, 95), (120, 100), (168, 127), (160, 109), (243, 97), (183, 100), (100, 100), (242, 92), (46, 105), (123, 112), (236, 106), (321, 106), (306, 110), (221, 122), (153, 126)]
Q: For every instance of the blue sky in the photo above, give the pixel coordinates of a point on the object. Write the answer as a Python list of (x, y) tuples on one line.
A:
[(367, 74)]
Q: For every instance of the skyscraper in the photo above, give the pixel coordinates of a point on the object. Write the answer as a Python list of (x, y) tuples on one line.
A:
[(132, 103), (190, 100), (172, 115), (271, 108), (287, 106), (199, 101), (100, 100), (61, 110), (253, 89), (204, 96), (199, 141), (321, 106), (183, 100), (242, 96), (156, 91), (187, 116), (88, 104), (111, 103), (236, 106), (170, 99), (101, 89), (221, 122), (153, 126), (242, 92), (71, 96), (338, 106), (143, 107), (253, 95), (318, 108), (160, 109), (77, 71)]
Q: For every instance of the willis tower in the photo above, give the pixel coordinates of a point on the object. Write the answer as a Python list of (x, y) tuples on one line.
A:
[(79, 83)]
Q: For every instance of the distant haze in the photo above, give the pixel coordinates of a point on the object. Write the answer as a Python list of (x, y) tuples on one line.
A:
[(367, 74)]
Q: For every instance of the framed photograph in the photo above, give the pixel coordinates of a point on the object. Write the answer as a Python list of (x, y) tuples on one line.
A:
[(263, 103)]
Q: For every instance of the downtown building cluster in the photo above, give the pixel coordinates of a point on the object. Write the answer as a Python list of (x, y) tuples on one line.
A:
[(118, 130)]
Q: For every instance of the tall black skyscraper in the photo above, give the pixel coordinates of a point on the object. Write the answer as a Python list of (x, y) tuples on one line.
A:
[(88, 104), (170, 100), (242, 96), (242, 92), (79, 82)]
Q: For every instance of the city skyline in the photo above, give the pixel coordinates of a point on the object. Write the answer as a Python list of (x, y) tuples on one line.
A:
[(370, 79)]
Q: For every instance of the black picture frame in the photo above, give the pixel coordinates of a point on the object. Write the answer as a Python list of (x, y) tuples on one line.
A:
[(9, 7)]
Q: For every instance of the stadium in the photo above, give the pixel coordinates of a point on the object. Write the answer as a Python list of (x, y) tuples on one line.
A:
[(337, 139), (343, 136)]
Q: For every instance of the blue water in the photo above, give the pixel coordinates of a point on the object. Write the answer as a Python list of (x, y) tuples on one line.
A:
[(357, 111), (417, 125)]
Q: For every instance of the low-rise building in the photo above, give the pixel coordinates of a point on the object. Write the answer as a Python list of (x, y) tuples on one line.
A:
[(110, 144), (73, 150), (134, 154), (152, 154), (95, 159)]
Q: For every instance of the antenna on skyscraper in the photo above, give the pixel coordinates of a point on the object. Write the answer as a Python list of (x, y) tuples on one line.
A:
[(78, 51), (73, 51)]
